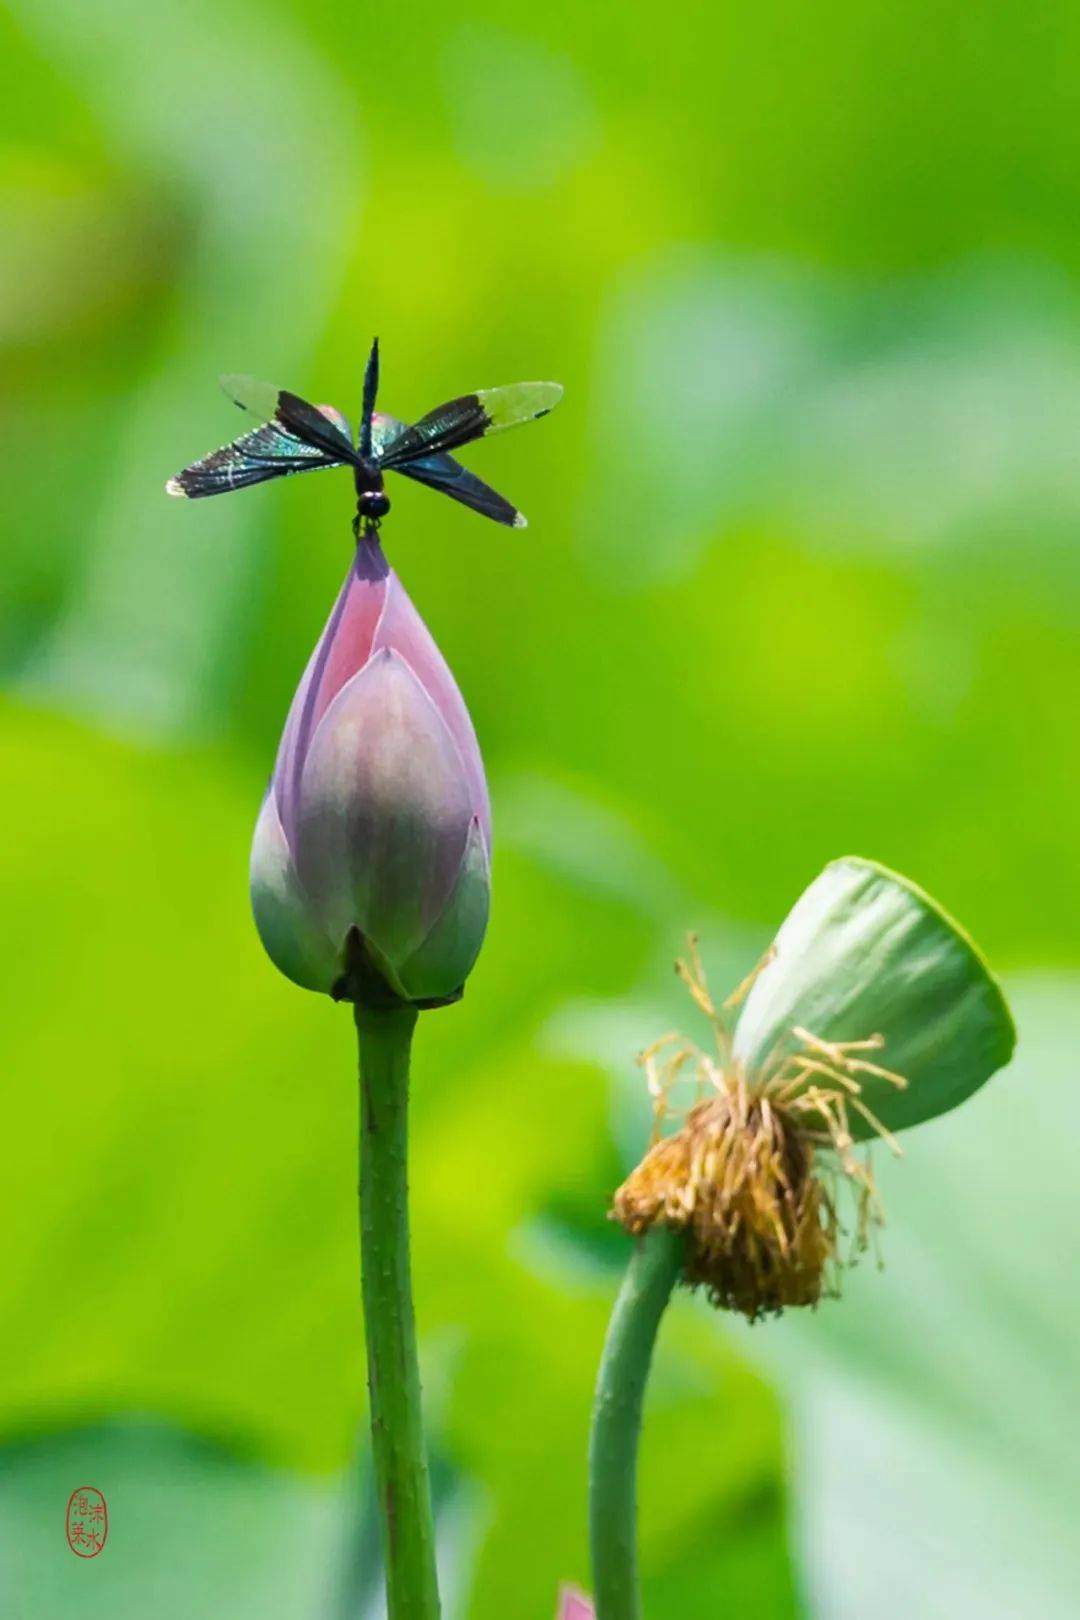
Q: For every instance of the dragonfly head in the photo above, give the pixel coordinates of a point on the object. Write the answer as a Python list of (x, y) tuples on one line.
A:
[(371, 506)]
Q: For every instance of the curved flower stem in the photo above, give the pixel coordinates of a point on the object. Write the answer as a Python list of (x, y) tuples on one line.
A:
[(401, 1470), (620, 1391)]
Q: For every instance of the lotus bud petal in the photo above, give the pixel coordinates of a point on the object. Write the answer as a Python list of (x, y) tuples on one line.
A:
[(374, 842), (574, 1605)]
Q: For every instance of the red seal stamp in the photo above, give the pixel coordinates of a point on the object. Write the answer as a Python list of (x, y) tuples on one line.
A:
[(87, 1523)]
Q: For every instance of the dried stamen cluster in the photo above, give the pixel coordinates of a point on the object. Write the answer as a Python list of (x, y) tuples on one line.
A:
[(752, 1175)]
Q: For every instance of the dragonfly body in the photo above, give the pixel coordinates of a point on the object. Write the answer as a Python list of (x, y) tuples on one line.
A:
[(294, 436), (372, 501)]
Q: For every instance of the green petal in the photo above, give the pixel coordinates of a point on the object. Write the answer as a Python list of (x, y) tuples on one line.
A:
[(288, 926), (865, 952), (441, 964)]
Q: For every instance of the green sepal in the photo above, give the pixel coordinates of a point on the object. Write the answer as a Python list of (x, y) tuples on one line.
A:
[(865, 952)]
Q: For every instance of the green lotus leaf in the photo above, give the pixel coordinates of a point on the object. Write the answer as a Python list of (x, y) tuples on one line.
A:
[(865, 953)]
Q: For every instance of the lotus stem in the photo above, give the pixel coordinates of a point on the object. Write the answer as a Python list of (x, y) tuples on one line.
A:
[(616, 1425), (401, 1469)]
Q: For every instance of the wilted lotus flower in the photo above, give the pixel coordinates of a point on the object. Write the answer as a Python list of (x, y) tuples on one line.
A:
[(370, 866), (866, 970)]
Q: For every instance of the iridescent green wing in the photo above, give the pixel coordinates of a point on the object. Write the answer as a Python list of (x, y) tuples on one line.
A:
[(252, 459), (320, 428), (292, 437), (385, 433), (473, 416), (442, 472)]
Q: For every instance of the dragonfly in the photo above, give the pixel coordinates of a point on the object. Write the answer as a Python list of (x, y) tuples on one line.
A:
[(294, 436)]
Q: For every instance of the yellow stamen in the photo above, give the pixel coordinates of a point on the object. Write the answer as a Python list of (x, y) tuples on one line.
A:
[(744, 1173)]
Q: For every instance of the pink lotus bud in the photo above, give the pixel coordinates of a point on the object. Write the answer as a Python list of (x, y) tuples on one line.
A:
[(370, 871), (574, 1605)]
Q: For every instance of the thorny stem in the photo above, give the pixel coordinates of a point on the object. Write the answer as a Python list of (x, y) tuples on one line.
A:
[(620, 1391), (401, 1470)]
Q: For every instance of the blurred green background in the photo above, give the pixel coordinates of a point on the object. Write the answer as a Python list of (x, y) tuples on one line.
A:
[(801, 579)]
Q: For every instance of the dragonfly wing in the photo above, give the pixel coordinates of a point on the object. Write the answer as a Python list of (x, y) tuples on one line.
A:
[(443, 472), (321, 429), (259, 399), (385, 433), (266, 452), (473, 416)]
